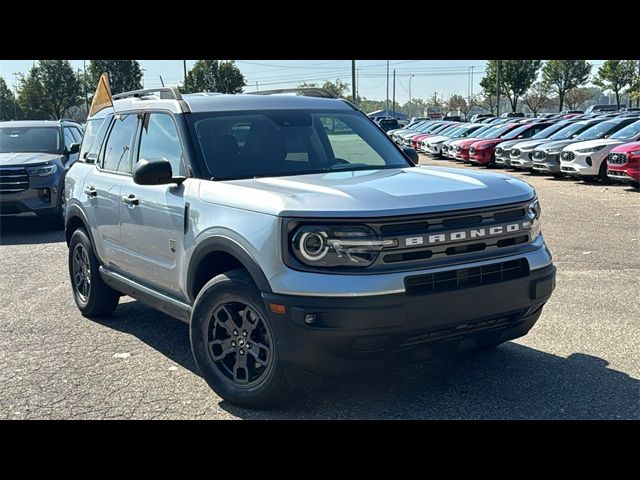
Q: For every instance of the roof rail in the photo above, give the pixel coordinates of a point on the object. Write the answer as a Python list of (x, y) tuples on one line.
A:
[(172, 93), (304, 91), (69, 120)]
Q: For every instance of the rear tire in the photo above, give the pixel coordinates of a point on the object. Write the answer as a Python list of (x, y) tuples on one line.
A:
[(93, 297), (234, 345)]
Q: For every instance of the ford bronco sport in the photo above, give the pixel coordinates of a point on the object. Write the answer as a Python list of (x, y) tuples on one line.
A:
[(296, 239)]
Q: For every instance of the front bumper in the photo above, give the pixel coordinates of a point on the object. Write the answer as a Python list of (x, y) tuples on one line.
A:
[(626, 173), (356, 334), (504, 160), (434, 148), (42, 197), (481, 157), (584, 164), (550, 164)]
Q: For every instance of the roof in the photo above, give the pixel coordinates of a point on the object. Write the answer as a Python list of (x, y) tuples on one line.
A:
[(35, 123), (213, 102)]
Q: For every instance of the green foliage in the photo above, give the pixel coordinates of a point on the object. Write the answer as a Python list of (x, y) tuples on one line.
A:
[(214, 76), (8, 108), (488, 100), (562, 76), (458, 103), (338, 88), (616, 75), (124, 75), (516, 77), (579, 96), (50, 89)]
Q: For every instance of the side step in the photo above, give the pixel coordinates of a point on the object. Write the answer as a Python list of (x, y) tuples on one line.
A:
[(164, 303)]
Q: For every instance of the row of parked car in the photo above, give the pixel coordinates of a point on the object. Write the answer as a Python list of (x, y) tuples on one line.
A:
[(590, 146)]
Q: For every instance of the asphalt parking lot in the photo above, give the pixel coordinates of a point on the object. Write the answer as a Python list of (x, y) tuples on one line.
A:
[(580, 360)]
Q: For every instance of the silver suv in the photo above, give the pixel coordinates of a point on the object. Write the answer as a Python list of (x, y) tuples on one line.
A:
[(296, 239)]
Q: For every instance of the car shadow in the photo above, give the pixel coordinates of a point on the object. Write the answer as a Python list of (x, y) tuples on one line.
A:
[(512, 381), (28, 231)]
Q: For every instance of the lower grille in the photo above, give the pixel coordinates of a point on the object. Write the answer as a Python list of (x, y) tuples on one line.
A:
[(617, 158), (568, 156), (467, 277), (13, 180), (616, 173)]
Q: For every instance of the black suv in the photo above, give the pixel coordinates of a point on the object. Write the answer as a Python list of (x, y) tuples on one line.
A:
[(387, 124), (34, 159)]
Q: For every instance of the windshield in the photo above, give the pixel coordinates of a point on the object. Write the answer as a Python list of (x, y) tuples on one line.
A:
[(598, 131), (457, 131), (30, 139), (568, 132), (629, 132), (429, 127), (550, 130), (514, 133), (448, 130), (290, 142)]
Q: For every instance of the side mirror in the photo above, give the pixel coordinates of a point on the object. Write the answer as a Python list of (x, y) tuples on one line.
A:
[(73, 148), (520, 136), (411, 154), (155, 171)]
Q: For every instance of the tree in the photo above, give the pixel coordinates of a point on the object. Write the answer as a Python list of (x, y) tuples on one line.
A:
[(516, 77), (562, 76), (8, 108), (338, 88), (488, 101), (49, 90), (459, 103), (536, 98), (124, 75), (214, 76), (578, 96), (615, 75)]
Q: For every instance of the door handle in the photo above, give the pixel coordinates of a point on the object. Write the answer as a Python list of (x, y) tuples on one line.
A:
[(130, 200), (90, 191)]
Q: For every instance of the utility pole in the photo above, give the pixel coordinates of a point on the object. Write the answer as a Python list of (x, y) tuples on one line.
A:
[(471, 82), (393, 104), (84, 83), (468, 85), (410, 103), (184, 68), (161, 81), (257, 89), (386, 101), (497, 88), (353, 82), (15, 95)]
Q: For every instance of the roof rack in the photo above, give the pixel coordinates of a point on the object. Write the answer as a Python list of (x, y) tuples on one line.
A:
[(172, 93), (304, 91), (69, 120)]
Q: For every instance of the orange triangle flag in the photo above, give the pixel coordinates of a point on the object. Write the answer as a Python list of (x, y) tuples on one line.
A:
[(102, 98)]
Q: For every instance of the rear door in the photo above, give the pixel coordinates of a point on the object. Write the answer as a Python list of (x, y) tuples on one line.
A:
[(152, 216), (102, 189)]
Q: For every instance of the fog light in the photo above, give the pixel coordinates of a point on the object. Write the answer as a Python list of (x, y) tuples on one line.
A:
[(44, 194), (589, 161), (310, 318)]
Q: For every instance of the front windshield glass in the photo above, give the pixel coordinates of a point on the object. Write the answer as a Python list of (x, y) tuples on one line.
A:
[(30, 139), (597, 131), (628, 133), (290, 142), (514, 133), (550, 130), (568, 132)]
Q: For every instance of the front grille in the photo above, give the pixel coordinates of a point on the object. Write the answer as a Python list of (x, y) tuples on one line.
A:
[(472, 150), (458, 149), (617, 158), (616, 173), (539, 155), (515, 152), (467, 277), (13, 180), (568, 156), (499, 151)]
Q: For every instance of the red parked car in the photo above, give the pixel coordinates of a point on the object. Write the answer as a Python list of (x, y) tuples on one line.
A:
[(623, 163), (482, 151), (438, 131)]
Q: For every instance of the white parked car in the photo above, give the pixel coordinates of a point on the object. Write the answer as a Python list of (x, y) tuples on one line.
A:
[(588, 160)]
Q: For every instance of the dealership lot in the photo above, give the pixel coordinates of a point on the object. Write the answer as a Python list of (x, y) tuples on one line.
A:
[(579, 361)]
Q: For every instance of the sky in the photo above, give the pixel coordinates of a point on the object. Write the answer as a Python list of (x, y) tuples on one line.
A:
[(442, 76), (424, 77)]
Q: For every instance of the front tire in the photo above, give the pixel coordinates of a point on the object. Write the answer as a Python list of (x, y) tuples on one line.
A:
[(93, 297), (234, 345)]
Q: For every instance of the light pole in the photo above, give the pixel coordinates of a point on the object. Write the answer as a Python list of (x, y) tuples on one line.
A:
[(386, 102), (410, 105), (143, 70), (15, 95)]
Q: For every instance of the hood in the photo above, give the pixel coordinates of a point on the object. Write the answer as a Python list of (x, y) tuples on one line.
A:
[(467, 142), (556, 145), (519, 142), (627, 147), (531, 144), (380, 193), (457, 141), (438, 139), (20, 159), (593, 143), (487, 142)]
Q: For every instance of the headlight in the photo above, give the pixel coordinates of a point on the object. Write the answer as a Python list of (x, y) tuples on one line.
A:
[(534, 211), (634, 153), (591, 149), (337, 245), (553, 151), (42, 170)]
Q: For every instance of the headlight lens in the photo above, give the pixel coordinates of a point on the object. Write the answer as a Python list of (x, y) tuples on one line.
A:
[(337, 245), (534, 211), (553, 150), (591, 149), (634, 153), (42, 170)]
